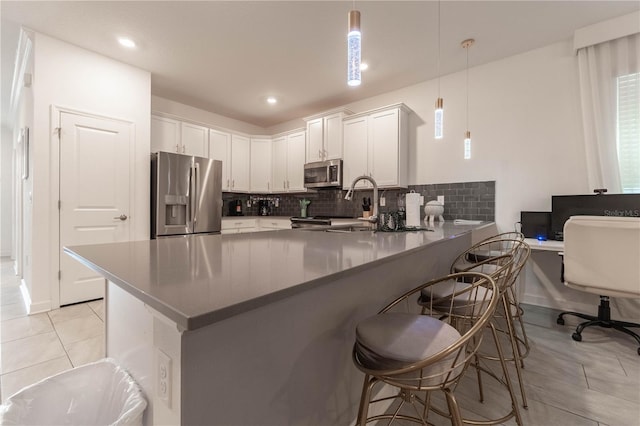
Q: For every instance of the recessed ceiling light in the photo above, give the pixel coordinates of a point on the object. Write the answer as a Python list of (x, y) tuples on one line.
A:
[(127, 42), (364, 66), (272, 100)]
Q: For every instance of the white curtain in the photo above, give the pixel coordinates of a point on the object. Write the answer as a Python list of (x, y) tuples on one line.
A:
[(599, 66)]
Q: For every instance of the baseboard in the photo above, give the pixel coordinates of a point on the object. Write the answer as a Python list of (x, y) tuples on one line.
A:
[(33, 308)]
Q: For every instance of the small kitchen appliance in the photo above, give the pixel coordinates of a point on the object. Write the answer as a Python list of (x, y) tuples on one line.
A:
[(264, 208), (235, 207)]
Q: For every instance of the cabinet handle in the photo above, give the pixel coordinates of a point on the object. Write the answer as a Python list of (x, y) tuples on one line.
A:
[(320, 154), (287, 184), (227, 183), (268, 186), (177, 148), (183, 149), (233, 183)]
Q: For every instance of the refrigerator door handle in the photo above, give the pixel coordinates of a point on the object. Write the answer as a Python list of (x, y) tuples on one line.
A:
[(195, 194)]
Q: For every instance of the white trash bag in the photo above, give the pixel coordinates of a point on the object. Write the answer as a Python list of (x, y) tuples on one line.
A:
[(99, 393)]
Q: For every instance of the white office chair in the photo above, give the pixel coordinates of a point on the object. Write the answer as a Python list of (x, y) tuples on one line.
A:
[(602, 256)]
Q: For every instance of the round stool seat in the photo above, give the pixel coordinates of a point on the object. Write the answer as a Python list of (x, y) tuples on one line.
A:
[(439, 297), (396, 340)]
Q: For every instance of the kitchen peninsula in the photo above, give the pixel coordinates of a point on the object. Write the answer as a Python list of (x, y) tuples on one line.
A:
[(257, 328)]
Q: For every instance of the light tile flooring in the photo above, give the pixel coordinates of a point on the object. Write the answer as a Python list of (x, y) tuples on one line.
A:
[(593, 382), (33, 347)]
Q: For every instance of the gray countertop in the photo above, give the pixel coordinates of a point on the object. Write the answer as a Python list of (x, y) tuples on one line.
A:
[(199, 280)]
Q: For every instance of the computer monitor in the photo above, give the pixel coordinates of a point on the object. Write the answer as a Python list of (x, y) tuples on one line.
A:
[(565, 206)]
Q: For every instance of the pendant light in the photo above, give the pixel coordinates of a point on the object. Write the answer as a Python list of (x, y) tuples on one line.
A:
[(353, 48), (467, 136), (438, 120)]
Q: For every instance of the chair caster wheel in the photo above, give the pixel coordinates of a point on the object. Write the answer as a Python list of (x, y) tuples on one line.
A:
[(560, 321), (578, 338)]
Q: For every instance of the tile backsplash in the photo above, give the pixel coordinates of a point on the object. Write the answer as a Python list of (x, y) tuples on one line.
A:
[(464, 200)]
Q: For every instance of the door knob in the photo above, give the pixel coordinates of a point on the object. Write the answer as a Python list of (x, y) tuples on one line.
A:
[(121, 217)]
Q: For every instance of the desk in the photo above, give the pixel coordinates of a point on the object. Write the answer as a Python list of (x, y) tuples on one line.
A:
[(549, 245)]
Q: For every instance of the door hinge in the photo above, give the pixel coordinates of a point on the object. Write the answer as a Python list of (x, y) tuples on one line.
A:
[(58, 131), (59, 275)]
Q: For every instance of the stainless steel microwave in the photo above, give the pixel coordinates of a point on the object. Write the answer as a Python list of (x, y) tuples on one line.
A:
[(323, 174)]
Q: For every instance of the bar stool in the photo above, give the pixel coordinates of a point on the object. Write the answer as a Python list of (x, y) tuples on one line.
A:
[(417, 351), (500, 269)]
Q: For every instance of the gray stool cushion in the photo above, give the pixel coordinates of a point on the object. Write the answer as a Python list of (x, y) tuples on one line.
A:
[(395, 340), (463, 304)]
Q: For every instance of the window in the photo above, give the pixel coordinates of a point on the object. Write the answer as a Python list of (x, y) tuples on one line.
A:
[(628, 131)]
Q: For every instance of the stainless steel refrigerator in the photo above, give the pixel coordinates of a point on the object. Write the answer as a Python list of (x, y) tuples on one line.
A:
[(186, 195)]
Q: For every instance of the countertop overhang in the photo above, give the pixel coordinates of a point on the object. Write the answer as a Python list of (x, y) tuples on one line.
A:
[(202, 279)]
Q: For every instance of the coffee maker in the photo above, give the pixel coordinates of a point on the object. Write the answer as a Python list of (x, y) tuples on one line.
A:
[(235, 208), (264, 208)]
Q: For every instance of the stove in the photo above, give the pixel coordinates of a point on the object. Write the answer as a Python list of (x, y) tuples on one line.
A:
[(321, 222)]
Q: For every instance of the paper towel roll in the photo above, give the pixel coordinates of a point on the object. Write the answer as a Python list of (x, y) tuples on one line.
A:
[(413, 209)]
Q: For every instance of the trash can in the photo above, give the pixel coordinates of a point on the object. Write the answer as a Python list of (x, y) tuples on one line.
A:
[(99, 393)]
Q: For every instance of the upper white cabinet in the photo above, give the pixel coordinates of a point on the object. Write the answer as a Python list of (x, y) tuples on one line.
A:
[(260, 165), (172, 135), (324, 136), (220, 149), (194, 139), (376, 145), (240, 163), (288, 153), (165, 134)]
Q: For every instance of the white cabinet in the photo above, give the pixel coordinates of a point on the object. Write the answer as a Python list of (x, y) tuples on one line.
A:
[(240, 163), (172, 135), (324, 136), (194, 139), (220, 149), (288, 153), (165, 134), (260, 165), (376, 145)]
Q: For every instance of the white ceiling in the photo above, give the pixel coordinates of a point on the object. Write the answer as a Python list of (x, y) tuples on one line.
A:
[(226, 57)]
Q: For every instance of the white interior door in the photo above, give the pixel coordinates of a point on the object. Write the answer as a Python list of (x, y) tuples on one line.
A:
[(95, 186)]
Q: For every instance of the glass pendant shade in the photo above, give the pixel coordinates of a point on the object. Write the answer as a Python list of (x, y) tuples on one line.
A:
[(467, 145), (438, 120), (353, 49)]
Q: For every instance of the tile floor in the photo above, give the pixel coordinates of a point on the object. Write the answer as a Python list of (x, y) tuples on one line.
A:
[(595, 382), (37, 346)]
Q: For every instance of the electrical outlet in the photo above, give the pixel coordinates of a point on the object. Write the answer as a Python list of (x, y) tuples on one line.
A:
[(383, 202), (422, 200), (441, 199), (163, 381)]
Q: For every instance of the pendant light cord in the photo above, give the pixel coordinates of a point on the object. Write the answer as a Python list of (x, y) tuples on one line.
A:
[(438, 48), (467, 49)]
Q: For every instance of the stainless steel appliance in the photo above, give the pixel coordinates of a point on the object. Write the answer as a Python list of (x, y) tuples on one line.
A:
[(323, 174), (321, 223), (186, 195), (264, 208)]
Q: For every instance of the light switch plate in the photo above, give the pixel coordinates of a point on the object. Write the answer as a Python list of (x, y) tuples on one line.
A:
[(383, 202), (441, 199), (422, 200)]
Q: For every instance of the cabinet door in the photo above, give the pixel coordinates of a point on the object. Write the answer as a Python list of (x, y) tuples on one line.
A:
[(195, 140), (240, 163), (295, 161), (260, 165), (220, 149), (383, 147), (333, 133), (165, 134), (315, 134), (355, 151), (279, 164)]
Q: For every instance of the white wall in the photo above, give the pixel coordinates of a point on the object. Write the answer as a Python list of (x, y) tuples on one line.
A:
[(67, 76), (6, 155)]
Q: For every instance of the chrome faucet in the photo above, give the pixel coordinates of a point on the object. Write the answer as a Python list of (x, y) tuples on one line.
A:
[(374, 215)]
